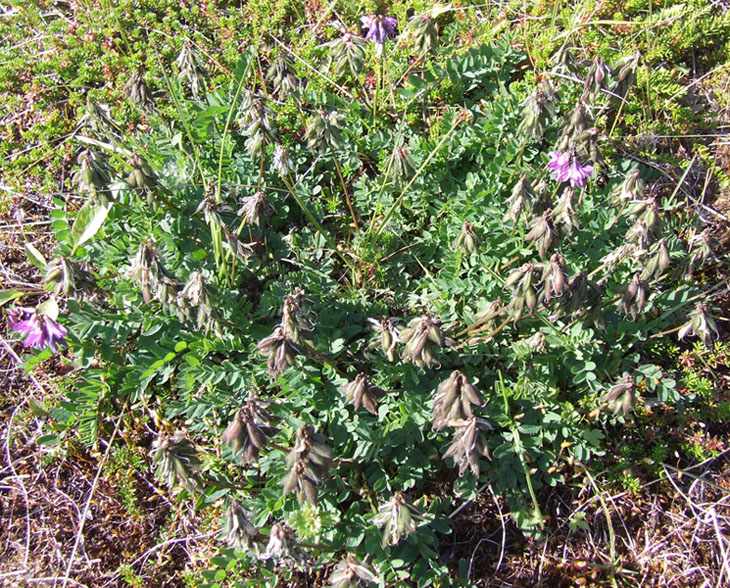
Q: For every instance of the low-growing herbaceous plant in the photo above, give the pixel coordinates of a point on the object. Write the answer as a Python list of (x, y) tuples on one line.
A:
[(342, 295)]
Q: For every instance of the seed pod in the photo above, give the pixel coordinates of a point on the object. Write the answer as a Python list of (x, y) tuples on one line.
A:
[(238, 531), (320, 448), (490, 314), (386, 339), (94, 176), (139, 93), (564, 213), (53, 274), (542, 232), (539, 228), (309, 461), (281, 350), (423, 337), (700, 324), (471, 394), (176, 461), (467, 239), (701, 249), (453, 403), (658, 262), (324, 132), (520, 201), (232, 434), (517, 305), (282, 548), (538, 110), (435, 336), (191, 68), (249, 430), (424, 31), (516, 275), (359, 392), (631, 189), (399, 167), (348, 54), (663, 256), (282, 76), (352, 573), (468, 445), (531, 300), (621, 397), (256, 435), (290, 482), (309, 491), (466, 411), (397, 519)]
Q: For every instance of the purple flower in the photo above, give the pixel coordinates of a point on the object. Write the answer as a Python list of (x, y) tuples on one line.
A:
[(566, 168), (577, 173), (41, 330), (558, 164), (282, 161), (379, 27)]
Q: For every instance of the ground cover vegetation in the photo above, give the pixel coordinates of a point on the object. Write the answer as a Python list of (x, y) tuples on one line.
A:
[(329, 277)]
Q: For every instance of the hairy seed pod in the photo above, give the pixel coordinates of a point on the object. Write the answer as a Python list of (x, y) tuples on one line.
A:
[(256, 435), (472, 394), (531, 299)]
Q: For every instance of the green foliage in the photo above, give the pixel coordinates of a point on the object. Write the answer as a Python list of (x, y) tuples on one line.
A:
[(325, 304)]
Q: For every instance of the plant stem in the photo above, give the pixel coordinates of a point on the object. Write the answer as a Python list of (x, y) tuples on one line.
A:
[(397, 203), (378, 69), (315, 222), (347, 193), (537, 513), (214, 229)]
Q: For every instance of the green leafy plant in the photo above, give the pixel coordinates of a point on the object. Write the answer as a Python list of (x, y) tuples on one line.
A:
[(303, 297)]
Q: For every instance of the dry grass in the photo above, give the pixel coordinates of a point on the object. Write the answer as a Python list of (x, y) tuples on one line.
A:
[(44, 494), (674, 532)]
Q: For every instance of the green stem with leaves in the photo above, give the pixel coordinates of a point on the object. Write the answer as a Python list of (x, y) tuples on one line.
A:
[(311, 218), (399, 200), (520, 451), (347, 193)]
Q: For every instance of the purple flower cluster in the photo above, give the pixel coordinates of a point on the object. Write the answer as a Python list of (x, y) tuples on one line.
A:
[(566, 168), (379, 27), (41, 330)]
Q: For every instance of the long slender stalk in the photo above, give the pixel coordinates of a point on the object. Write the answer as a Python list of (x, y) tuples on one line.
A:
[(378, 74), (519, 450), (399, 200), (347, 193), (227, 125), (537, 513), (186, 126), (390, 83), (215, 231), (311, 218)]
